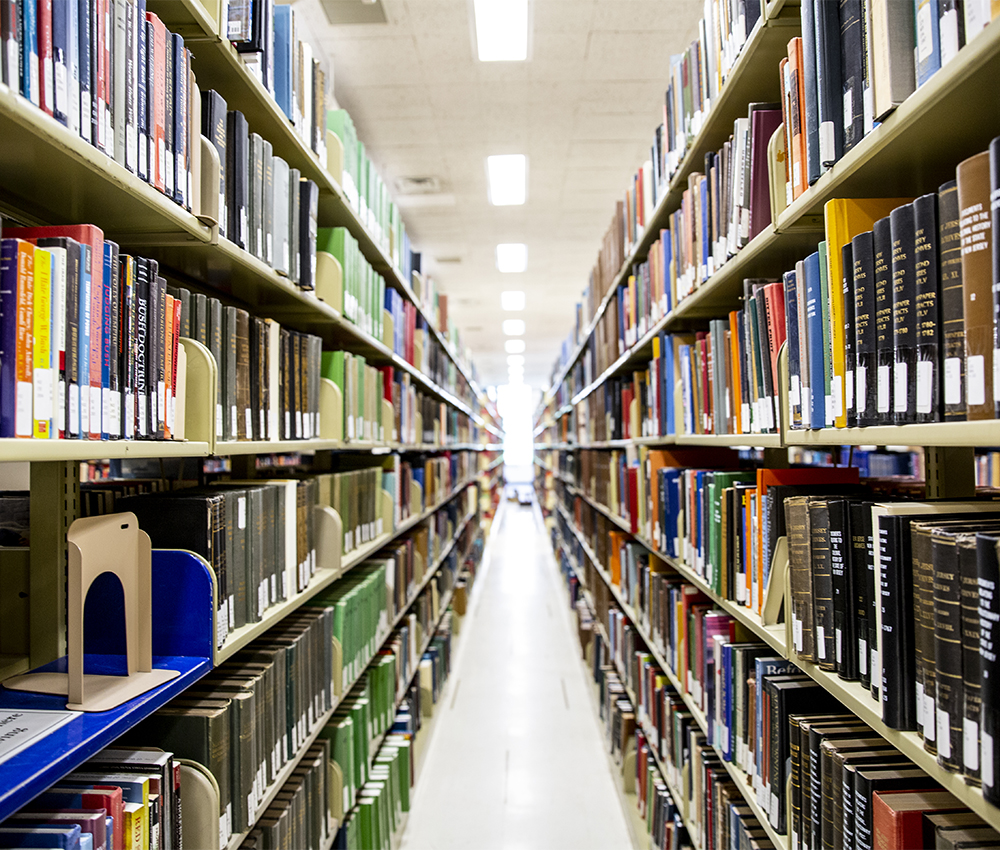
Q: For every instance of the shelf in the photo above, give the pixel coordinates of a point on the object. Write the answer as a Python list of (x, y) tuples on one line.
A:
[(12, 449), (982, 433), (323, 578)]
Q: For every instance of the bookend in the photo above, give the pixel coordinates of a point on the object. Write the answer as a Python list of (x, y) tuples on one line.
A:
[(97, 545), (388, 330), (329, 280), (331, 411), (329, 538), (200, 804), (774, 595)]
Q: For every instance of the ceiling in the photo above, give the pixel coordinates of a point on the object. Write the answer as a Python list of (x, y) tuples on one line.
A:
[(583, 108)]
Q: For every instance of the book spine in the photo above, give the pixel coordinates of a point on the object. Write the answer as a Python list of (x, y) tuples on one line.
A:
[(97, 302), (179, 116), (882, 251), (40, 340), (988, 575), (119, 79), (829, 85), (113, 408), (971, 708), (948, 652), (952, 350), (822, 582), (30, 70), (46, 71), (859, 584), (852, 64), (142, 98), (169, 109), (267, 203), (131, 85), (904, 315), (161, 356), (74, 263), (928, 317), (850, 356), (977, 279), (993, 236), (141, 362), (923, 611), (928, 38), (800, 575)]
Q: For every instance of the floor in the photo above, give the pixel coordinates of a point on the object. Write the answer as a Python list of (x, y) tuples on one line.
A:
[(516, 760)]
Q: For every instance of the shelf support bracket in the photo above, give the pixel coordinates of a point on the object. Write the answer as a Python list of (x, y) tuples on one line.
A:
[(950, 472)]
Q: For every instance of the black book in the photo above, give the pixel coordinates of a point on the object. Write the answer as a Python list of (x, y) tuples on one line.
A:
[(213, 127), (852, 71), (161, 357), (813, 729), (865, 333), (181, 83), (988, 572), (820, 553), (830, 782), (142, 297), (308, 223), (809, 80), (168, 117), (850, 360), (267, 203), (972, 670), (83, 58), (153, 345), (952, 372), (141, 92), (230, 416), (925, 265), (237, 179), (947, 650), (869, 780), (879, 755), (126, 354), (829, 85), (923, 634), (845, 637), (256, 376), (995, 214), (904, 315), (859, 555), (882, 246), (200, 323)]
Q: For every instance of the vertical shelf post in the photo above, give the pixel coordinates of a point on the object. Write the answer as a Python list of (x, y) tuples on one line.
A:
[(55, 504), (950, 472)]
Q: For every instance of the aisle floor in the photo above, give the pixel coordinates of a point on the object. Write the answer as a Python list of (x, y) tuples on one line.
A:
[(516, 760)]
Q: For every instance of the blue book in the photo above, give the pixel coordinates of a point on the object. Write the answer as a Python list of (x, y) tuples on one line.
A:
[(928, 49), (666, 384), (62, 37), (64, 837), (792, 337), (30, 86), (699, 521), (829, 93), (106, 314), (726, 730), (283, 58), (810, 121), (764, 667), (83, 351), (706, 245), (667, 247), (814, 340), (672, 489), (84, 23)]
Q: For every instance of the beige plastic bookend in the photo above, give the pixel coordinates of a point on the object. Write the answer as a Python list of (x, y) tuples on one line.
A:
[(97, 545), (775, 593), (210, 201), (335, 156), (331, 406), (329, 538), (388, 329), (329, 280), (200, 806)]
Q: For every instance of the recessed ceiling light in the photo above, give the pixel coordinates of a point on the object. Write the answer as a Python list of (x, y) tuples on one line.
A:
[(501, 30), (512, 257), (513, 327), (508, 177), (512, 300), (514, 346), (516, 370), (515, 360)]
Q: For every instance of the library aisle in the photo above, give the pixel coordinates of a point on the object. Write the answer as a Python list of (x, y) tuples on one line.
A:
[(518, 761)]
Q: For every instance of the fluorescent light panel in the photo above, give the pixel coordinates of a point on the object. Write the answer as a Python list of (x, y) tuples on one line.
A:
[(508, 176), (514, 346), (513, 327), (501, 30), (512, 300), (515, 360), (512, 257)]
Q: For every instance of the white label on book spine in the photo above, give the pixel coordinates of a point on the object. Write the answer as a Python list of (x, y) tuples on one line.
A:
[(274, 589), (43, 394), (862, 656), (930, 719), (996, 360), (827, 147), (849, 384), (949, 35), (884, 388), (233, 421), (22, 416), (944, 733), (920, 705), (248, 418), (975, 380), (821, 642), (868, 104), (797, 633), (838, 639), (900, 375), (107, 411), (953, 380), (925, 39), (232, 608), (62, 89), (837, 388), (970, 740), (986, 756), (848, 107), (241, 512), (925, 385)]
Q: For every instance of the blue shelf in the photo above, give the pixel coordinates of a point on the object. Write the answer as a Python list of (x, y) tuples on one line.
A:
[(182, 641)]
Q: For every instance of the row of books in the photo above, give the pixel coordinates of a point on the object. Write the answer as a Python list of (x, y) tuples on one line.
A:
[(88, 340), (369, 196), (364, 290), (761, 713), (113, 74), (268, 36), (265, 206), (853, 65)]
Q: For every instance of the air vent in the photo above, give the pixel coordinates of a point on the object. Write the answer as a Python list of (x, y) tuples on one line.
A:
[(443, 261), (418, 185), (354, 12)]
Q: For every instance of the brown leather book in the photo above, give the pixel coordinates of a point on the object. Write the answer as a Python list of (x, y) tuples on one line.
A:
[(973, 178), (244, 423)]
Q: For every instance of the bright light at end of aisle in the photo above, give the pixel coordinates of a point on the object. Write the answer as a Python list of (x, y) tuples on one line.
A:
[(515, 360), (501, 30), (512, 300), (514, 346), (508, 176), (512, 257), (514, 403), (513, 327)]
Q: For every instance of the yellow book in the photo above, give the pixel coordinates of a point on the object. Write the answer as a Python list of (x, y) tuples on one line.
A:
[(41, 349), (845, 219), (134, 833)]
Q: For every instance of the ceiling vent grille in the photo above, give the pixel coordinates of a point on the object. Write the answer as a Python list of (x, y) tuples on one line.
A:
[(354, 12)]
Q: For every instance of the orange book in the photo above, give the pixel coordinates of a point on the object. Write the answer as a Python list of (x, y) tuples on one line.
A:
[(796, 114), (737, 375), (615, 542), (794, 477)]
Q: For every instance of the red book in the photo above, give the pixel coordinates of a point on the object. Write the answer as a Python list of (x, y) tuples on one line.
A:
[(897, 816), (107, 797), (157, 93), (632, 481), (93, 238), (46, 69), (175, 342), (774, 301)]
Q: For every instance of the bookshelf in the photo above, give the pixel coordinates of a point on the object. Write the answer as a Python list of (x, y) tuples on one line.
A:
[(913, 150), (48, 175)]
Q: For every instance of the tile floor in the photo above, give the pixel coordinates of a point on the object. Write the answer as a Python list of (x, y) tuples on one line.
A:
[(516, 758)]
